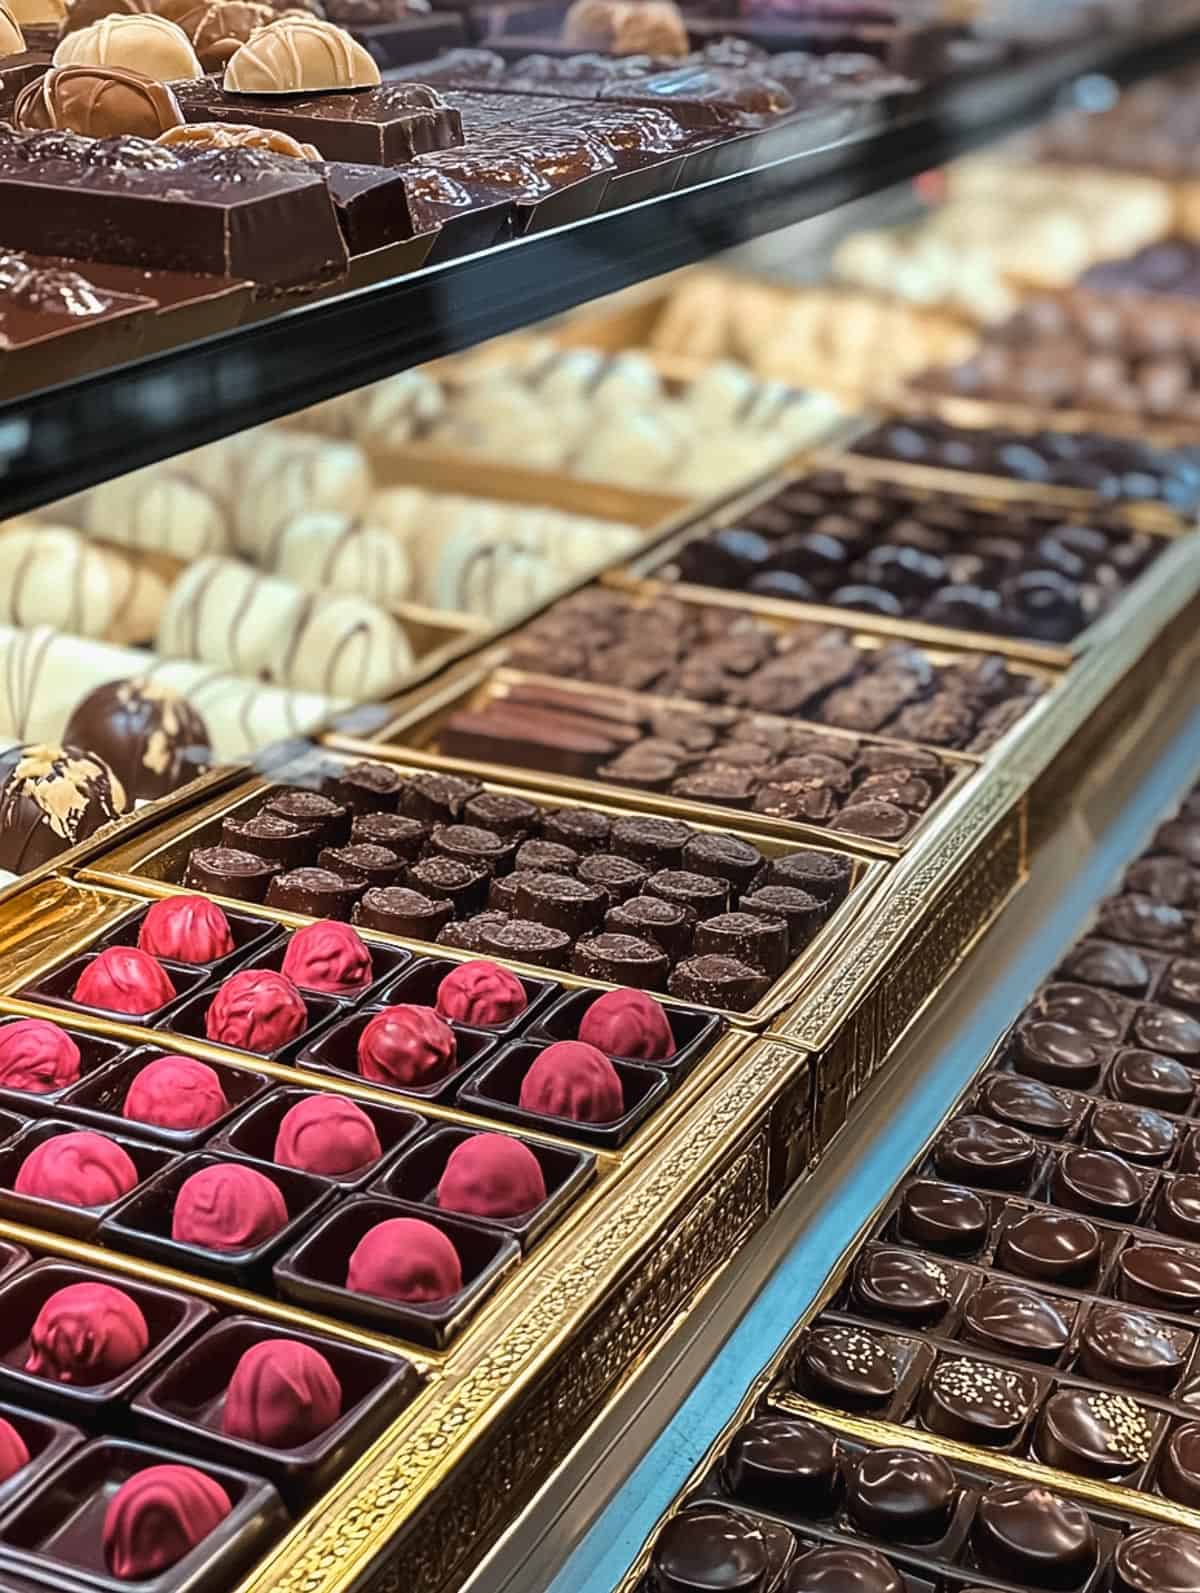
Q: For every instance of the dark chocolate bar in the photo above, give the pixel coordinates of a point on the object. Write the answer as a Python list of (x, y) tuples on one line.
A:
[(56, 323)]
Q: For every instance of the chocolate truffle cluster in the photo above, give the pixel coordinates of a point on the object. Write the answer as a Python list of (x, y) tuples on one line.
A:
[(946, 559), (815, 672), (715, 756), (645, 902)]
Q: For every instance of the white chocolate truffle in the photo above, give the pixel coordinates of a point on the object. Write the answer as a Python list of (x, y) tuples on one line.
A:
[(391, 413), (285, 473), (720, 396), (12, 40), (160, 510), (52, 575), (492, 577), (147, 44), (626, 381), (349, 648), (299, 54), (44, 673), (223, 613), (329, 552), (399, 510), (244, 716), (636, 449)]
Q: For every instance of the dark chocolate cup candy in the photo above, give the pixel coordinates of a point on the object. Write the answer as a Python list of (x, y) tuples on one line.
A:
[(900, 1286), (1144, 1078), (1166, 1279), (463, 885), (658, 843), (825, 875), (523, 941), (1094, 1433), (760, 942), (979, 1151), (397, 910), (619, 877), (317, 892), (362, 862), (275, 840), (546, 857), (724, 857), (401, 835), (783, 1463), (1098, 1183), (228, 871), (901, 1495), (1157, 1560), (700, 894), (976, 1402), (706, 1548), (649, 918), (942, 1216), (365, 787), (1132, 1349), (436, 798), (507, 815), (560, 902), (1017, 1321), (1054, 1246), (475, 846), (1056, 1054), (848, 1369), (803, 914), (714, 981), (621, 960), (1034, 1537), (330, 819), (583, 829)]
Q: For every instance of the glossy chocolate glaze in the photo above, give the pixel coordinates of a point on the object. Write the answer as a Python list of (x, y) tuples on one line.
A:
[(900, 1286), (1056, 1054), (977, 1402), (979, 1151), (1017, 1321), (1154, 1275), (1028, 1104), (1034, 1537), (1051, 1245), (1158, 1560), (850, 1369), (943, 1216), (901, 1494), (1145, 1078), (1130, 1348), (1098, 1183), (785, 1464), (1094, 1434)]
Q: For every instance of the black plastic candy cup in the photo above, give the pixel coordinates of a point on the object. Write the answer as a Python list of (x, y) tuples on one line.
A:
[(97, 1100), (694, 1031), (418, 986), (54, 989), (254, 1132), (336, 1051), (46, 1438), (80, 1222), (94, 1052)]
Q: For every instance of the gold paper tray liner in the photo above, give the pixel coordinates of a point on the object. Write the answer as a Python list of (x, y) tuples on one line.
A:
[(416, 725), (148, 867)]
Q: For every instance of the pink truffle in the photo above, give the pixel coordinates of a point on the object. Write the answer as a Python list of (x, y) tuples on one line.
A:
[(628, 1023), (328, 956), (491, 1175), (14, 1452), (227, 1207), (123, 979), (482, 994), (256, 1010), (176, 1092), (37, 1056), (571, 1079), (327, 1134), (86, 1334), (77, 1169), (282, 1394), (405, 1259), (157, 1517), (406, 1045), (188, 928)]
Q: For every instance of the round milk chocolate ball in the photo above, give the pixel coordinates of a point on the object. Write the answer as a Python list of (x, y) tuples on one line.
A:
[(77, 1169), (187, 928), (226, 1207), (405, 1259), (51, 798), (481, 994), (86, 1334), (37, 1056), (328, 956), (408, 1046), (124, 979), (628, 1023), (256, 1010), (575, 1080), (326, 1134), (157, 1516), (282, 1394), (491, 1175), (175, 1092)]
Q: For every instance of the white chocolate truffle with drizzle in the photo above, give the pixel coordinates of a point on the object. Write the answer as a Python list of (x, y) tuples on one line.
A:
[(299, 54), (284, 473), (348, 648), (226, 614), (52, 575), (161, 509), (147, 44), (325, 551), (51, 798)]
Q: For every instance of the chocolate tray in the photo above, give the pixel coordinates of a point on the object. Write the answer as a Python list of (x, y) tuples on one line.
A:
[(1047, 506), (157, 866), (414, 730), (959, 411)]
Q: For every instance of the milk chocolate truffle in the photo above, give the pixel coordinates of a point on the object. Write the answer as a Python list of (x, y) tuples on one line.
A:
[(491, 1175), (145, 44), (1167, 1280), (1094, 1434), (407, 1046), (1128, 1347), (282, 1394), (1147, 1079), (111, 102), (1098, 1183), (574, 1080), (847, 1368), (861, 1570), (783, 1463), (942, 1216), (976, 1402), (405, 1259), (400, 911), (326, 1134), (1051, 1245), (86, 1334), (982, 1152), (312, 811), (256, 1010), (14, 1452), (1029, 1105), (1120, 968), (226, 1207), (148, 734), (481, 994), (900, 1286), (715, 981), (901, 1495), (51, 798), (628, 1023), (328, 956), (229, 871), (77, 1169), (175, 1092), (37, 1056), (366, 787), (1157, 1560), (706, 1548), (188, 928), (299, 55), (124, 979), (1056, 1054), (1015, 1321), (157, 1517), (1034, 1537)]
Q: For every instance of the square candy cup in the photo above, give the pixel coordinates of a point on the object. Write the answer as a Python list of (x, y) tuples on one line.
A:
[(79, 1222), (336, 1051), (54, 989), (53, 1536), (414, 1177), (189, 1020), (97, 1100), (693, 1031), (253, 1133), (94, 1052), (184, 1406), (495, 1089), (386, 962), (171, 1318), (250, 936), (143, 1224), (313, 1272), (46, 1438), (418, 986)]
